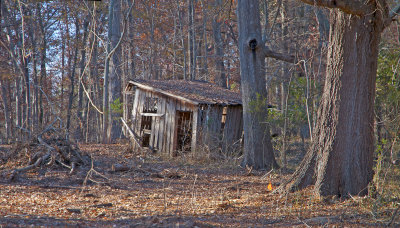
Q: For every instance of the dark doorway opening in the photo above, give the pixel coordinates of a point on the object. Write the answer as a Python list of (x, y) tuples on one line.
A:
[(184, 130)]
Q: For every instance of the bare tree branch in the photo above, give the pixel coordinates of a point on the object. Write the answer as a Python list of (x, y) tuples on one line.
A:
[(348, 6), (394, 12), (279, 56)]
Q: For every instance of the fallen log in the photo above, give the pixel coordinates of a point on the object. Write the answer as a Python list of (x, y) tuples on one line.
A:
[(120, 168)]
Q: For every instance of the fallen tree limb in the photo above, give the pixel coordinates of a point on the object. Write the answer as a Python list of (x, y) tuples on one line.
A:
[(50, 147)]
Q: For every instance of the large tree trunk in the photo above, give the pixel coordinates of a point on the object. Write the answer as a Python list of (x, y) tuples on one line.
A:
[(341, 156), (258, 151)]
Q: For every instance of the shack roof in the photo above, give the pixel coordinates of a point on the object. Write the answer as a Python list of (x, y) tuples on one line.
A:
[(196, 92)]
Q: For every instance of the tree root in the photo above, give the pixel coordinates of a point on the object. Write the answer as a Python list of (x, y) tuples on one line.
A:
[(302, 177)]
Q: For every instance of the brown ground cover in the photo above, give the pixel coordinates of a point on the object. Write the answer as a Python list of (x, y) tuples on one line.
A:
[(182, 192)]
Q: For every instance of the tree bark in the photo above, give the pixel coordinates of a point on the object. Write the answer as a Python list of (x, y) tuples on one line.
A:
[(7, 110), (115, 73), (72, 76), (106, 111), (340, 159), (191, 41), (35, 106), (205, 48), (219, 47), (80, 112), (258, 151), (43, 56)]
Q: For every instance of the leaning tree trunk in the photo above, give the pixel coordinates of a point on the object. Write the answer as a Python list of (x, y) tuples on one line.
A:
[(258, 152), (340, 159)]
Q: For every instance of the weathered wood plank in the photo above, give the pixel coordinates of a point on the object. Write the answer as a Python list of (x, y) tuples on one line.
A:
[(136, 109), (135, 106), (214, 126), (140, 105), (131, 133), (172, 146), (156, 123), (160, 142), (194, 128), (152, 114), (167, 131), (153, 125), (232, 127)]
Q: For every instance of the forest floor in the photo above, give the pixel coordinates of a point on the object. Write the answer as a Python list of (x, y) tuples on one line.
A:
[(182, 192)]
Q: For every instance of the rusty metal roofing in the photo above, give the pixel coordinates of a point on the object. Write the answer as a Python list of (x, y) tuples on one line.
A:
[(197, 92)]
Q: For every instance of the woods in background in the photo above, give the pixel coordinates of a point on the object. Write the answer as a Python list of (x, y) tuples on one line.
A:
[(72, 59)]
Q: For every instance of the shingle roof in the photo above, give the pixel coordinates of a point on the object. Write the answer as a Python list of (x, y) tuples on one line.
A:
[(194, 91)]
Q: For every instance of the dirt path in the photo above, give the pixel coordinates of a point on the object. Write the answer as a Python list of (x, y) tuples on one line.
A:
[(160, 193)]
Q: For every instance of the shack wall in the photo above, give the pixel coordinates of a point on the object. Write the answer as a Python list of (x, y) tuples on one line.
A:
[(163, 124), (210, 125)]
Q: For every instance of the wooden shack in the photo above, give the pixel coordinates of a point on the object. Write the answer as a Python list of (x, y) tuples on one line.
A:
[(171, 116)]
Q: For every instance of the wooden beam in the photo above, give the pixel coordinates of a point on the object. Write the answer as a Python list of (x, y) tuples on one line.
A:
[(194, 129), (131, 133), (152, 114)]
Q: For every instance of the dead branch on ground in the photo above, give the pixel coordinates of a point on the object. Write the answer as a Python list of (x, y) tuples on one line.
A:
[(49, 148)]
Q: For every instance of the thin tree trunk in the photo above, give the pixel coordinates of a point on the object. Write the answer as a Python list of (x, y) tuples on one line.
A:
[(115, 74), (106, 111), (18, 105), (219, 47), (43, 57), (131, 49), (7, 111), (190, 39), (80, 112), (72, 76), (205, 48), (284, 77), (35, 107), (185, 65), (62, 70)]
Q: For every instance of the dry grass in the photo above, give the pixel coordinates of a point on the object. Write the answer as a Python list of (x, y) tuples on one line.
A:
[(202, 190)]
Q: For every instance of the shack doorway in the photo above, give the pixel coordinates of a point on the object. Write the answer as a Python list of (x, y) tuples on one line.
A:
[(184, 131)]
